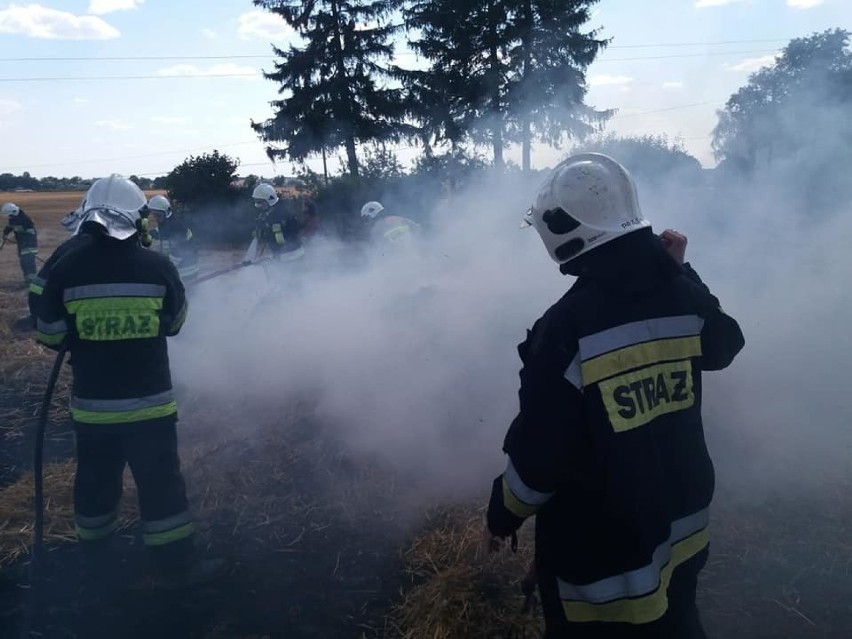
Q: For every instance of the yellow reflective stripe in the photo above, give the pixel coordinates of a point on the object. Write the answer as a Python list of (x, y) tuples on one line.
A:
[(168, 537), (634, 399), (180, 319), (645, 609), (93, 534), (115, 304), (36, 289), (515, 505), (123, 417), (638, 355), (394, 234), (51, 339)]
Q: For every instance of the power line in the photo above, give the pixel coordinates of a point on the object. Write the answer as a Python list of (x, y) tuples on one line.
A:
[(686, 55), (131, 77), (249, 56), (693, 44), (674, 108), (131, 157), (253, 75)]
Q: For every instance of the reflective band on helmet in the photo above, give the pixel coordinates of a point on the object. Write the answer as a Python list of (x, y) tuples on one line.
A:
[(396, 233), (519, 498), (123, 411), (113, 290), (638, 596)]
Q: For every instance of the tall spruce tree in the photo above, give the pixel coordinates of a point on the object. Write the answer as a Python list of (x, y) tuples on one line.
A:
[(336, 85), (462, 94), (502, 70), (549, 60)]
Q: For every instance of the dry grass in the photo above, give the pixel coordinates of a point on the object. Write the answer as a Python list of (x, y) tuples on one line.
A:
[(16, 511), (459, 589)]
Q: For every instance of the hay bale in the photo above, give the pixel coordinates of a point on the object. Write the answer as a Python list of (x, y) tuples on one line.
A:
[(16, 511), (458, 589)]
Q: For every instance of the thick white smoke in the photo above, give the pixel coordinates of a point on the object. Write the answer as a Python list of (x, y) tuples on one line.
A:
[(413, 356)]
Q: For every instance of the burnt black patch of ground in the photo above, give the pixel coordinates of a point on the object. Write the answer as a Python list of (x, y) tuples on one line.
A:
[(312, 534)]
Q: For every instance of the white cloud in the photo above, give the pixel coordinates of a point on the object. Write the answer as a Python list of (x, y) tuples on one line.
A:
[(8, 107), (36, 21), (752, 64), (209, 34), (81, 100), (168, 119), (609, 80), (103, 7), (227, 68), (703, 4), (259, 24), (804, 4), (116, 124), (672, 85)]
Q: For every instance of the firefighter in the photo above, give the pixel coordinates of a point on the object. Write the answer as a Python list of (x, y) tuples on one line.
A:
[(25, 237), (608, 447), (276, 228), (71, 222), (173, 238), (115, 303), (386, 228)]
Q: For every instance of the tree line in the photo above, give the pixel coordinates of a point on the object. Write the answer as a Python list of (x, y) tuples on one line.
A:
[(497, 72)]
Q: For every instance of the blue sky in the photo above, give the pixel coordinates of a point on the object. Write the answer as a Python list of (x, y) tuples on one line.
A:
[(147, 125)]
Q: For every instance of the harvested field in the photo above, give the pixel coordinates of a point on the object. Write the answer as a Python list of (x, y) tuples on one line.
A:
[(321, 545)]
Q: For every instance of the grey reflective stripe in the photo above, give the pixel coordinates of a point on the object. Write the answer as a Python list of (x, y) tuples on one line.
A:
[(167, 524), (122, 405), (642, 581), (96, 522), (291, 255), (638, 332), (52, 328), (574, 373), (113, 290), (521, 490)]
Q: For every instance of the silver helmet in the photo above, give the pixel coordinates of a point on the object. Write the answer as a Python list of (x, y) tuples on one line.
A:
[(115, 203)]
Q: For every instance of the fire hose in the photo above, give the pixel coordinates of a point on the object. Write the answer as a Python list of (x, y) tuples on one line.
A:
[(37, 558), (14, 242)]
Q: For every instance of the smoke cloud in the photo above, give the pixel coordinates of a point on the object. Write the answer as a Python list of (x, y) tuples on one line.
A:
[(411, 356)]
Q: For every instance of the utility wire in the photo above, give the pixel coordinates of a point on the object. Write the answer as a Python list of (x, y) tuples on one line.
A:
[(257, 74), (258, 56)]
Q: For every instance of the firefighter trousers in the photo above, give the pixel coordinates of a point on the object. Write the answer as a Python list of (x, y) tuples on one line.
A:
[(151, 452), (681, 621), (27, 258)]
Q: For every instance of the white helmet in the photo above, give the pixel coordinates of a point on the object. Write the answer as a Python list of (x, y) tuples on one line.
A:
[(10, 209), (72, 220), (264, 193), (161, 204), (115, 203), (371, 209), (588, 200)]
